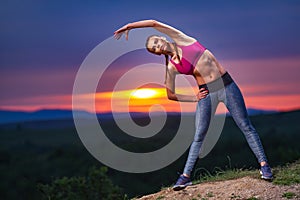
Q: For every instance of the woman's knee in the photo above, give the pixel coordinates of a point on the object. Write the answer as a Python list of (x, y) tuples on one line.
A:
[(246, 126), (200, 136)]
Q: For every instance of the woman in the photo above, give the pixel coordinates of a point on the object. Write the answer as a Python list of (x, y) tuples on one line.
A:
[(188, 56)]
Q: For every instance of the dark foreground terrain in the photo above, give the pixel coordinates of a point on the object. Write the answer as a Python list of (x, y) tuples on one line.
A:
[(39, 152)]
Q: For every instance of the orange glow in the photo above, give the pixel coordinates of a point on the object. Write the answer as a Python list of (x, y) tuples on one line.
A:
[(124, 101), (267, 83), (144, 93), (273, 102), (140, 100)]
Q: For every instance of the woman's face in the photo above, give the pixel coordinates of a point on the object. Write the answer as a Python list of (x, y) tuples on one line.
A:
[(158, 45)]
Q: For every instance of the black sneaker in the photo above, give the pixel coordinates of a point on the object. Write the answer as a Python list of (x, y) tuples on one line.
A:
[(266, 172), (182, 183)]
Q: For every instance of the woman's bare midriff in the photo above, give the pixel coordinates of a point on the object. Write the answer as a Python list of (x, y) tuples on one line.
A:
[(208, 68)]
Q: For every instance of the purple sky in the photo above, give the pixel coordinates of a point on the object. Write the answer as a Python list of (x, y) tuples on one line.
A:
[(43, 43)]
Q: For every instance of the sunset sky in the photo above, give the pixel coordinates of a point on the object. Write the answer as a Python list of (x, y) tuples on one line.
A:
[(43, 44)]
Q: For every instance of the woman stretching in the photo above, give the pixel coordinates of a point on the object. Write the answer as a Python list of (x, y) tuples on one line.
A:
[(187, 56)]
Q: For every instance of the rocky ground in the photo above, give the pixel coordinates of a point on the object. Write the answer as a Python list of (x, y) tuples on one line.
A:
[(237, 189)]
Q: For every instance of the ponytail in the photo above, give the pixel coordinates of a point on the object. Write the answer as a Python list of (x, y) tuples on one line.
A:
[(167, 60), (167, 63)]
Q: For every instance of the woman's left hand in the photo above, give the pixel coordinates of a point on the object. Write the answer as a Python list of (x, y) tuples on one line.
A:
[(202, 94)]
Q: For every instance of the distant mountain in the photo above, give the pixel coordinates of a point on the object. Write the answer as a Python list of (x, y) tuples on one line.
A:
[(43, 115), (252, 111)]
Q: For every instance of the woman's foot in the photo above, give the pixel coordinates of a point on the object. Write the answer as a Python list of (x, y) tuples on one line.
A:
[(266, 172), (182, 183)]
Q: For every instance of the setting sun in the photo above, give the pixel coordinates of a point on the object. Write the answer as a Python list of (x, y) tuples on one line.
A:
[(144, 93)]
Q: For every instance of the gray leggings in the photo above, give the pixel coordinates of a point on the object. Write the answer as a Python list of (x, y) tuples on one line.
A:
[(231, 96)]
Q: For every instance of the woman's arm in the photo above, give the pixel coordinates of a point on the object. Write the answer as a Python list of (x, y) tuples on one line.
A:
[(125, 29), (175, 34), (170, 88)]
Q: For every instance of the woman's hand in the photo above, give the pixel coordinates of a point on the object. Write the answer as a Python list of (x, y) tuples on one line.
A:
[(124, 30), (202, 94)]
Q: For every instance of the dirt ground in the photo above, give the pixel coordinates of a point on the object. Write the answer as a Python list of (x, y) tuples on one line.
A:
[(238, 189)]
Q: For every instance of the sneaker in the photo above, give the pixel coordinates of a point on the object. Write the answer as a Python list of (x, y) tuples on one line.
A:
[(182, 183), (266, 172)]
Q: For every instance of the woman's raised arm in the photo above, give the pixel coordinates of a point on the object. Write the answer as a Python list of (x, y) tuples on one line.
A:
[(172, 32), (139, 24)]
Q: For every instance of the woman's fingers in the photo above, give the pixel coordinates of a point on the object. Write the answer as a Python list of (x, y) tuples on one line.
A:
[(119, 33), (202, 93), (123, 30), (203, 90), (126, 34)]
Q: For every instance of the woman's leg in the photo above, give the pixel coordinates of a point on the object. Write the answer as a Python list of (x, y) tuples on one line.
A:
[(236, 106), (205, 110)]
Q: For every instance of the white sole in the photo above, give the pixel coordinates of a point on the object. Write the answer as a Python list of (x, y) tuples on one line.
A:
[(180, 187), (263, 177)]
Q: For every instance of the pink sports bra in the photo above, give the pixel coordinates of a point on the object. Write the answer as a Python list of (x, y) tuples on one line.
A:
[(190, 55)]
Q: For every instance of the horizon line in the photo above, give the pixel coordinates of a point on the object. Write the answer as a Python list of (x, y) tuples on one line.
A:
[(82, 110)]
